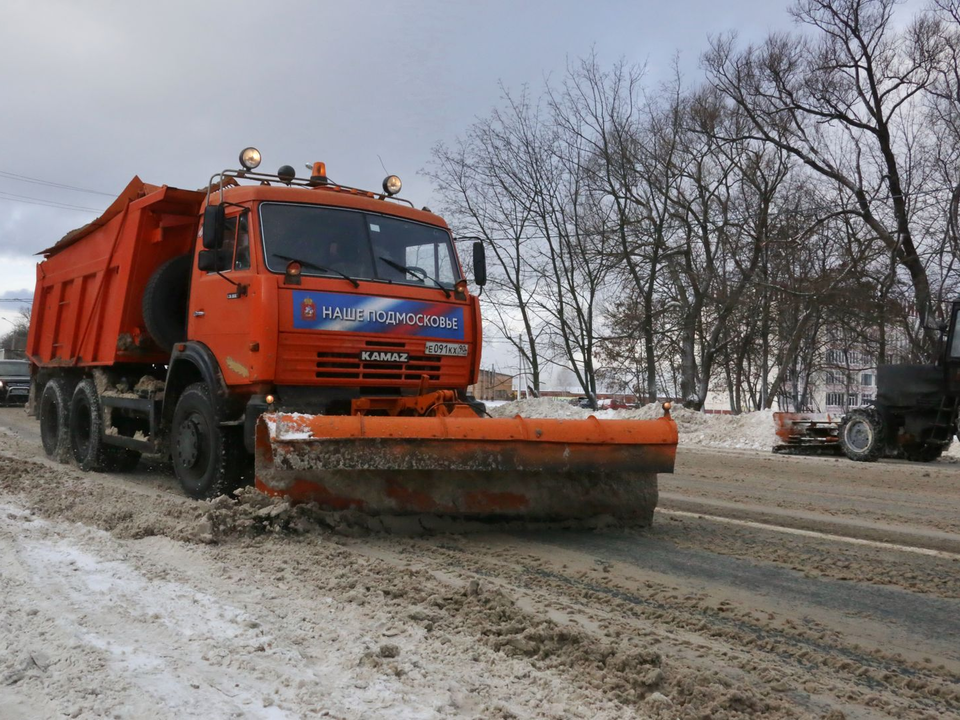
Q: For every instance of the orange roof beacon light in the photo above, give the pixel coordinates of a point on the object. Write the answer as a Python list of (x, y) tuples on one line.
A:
[(250, 158), (318, 175), (392, 185)]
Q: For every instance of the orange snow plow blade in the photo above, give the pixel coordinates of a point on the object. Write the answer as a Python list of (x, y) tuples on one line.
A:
[(806, 433), (471, 467)]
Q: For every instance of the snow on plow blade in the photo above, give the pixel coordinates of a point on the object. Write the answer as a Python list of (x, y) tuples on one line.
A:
[(482, 468)]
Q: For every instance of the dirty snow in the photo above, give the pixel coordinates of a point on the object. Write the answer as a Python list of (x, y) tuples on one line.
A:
[(749, 431), (287, 427), (119, 597)]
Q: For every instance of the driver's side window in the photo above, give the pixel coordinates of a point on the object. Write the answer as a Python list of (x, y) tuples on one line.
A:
[(225, 253), (235, 252), (242, 259)]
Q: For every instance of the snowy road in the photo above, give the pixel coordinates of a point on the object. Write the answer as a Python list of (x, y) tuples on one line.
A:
[(114, 602)]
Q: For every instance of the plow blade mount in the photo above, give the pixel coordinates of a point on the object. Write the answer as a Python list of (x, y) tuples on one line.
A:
[(480, 468), (806, 433)]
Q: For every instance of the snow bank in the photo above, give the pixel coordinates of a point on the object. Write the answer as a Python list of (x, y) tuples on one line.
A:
[(749, 431)]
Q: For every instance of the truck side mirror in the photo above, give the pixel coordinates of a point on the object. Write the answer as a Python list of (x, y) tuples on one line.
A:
[(207, 260), (479, 264), (214, 217)]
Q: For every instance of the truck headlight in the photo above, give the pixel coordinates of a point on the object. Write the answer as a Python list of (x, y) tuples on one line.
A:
[(250, 158), (392, 185)]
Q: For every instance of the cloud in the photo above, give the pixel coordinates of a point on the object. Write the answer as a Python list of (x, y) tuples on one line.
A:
[(16, 294), (99, 91)]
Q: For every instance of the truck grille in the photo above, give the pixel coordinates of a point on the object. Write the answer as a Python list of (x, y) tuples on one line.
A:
[(344, 366), (311, 360)]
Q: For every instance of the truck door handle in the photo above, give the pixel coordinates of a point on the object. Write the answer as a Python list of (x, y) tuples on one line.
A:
[(198, 313)]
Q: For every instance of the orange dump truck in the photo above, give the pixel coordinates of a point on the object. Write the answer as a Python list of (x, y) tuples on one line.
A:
[(316, 337)]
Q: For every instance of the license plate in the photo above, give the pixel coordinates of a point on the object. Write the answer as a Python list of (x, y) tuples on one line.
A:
[(439, 348)]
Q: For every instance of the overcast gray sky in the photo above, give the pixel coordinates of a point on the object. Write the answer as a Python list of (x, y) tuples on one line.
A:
[(96, 92)]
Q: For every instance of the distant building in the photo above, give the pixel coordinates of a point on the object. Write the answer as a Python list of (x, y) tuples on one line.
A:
[(492, 385), (845, 378)]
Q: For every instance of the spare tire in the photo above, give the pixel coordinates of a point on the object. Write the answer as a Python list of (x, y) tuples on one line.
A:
[(165, 302)]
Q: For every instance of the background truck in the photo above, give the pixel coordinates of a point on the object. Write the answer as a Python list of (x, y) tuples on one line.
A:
[(326, 329), (914, 415), (14, 381)]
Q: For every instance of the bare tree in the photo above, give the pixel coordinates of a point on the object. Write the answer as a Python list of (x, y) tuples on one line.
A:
[(14, 341), (839, 102), (484, 191)]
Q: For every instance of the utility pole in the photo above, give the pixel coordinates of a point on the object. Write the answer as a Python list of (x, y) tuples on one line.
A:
[(521, 370)]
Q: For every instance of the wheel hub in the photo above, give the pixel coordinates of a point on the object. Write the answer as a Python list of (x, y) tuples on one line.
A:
[(859, 435), (188, 443)]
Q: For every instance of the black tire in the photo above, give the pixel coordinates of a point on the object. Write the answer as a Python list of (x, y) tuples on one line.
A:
[(923, 453), (165, 300), (863, 435), (208, 459), (86, 435), (55, 420)]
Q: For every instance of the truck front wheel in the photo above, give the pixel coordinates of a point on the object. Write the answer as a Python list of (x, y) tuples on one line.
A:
[(54, 419), (207, 458), (86, 434)]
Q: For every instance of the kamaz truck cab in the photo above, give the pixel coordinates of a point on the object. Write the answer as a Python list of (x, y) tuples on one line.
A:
[(310, 296)]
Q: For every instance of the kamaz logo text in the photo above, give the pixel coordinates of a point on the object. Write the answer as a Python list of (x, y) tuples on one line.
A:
[(384, 356)]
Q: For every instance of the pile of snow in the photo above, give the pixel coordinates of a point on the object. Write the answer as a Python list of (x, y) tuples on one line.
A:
[(749, 431), (539, 408)]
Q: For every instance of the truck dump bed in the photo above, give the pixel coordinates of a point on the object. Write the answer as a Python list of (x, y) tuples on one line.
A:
[(88, 297)]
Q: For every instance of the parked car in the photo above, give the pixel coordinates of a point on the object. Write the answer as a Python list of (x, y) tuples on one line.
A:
[(14, 381)]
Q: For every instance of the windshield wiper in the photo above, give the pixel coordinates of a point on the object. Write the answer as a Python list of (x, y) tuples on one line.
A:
[(321, 268), (416, 272)]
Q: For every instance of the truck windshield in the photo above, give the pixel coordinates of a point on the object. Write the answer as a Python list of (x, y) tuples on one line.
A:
[(14, 367), (355, 244)]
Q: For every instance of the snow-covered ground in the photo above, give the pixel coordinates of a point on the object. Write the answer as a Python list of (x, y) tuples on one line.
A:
[(272, 627), (121, 598)]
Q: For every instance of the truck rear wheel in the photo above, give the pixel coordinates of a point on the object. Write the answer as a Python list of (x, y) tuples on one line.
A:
[(86, 434), (164, 303), (923, 453), (54, 420), (862, 435), (208, 458)]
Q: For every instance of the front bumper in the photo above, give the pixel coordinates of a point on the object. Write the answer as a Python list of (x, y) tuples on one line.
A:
[(14, 393)]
